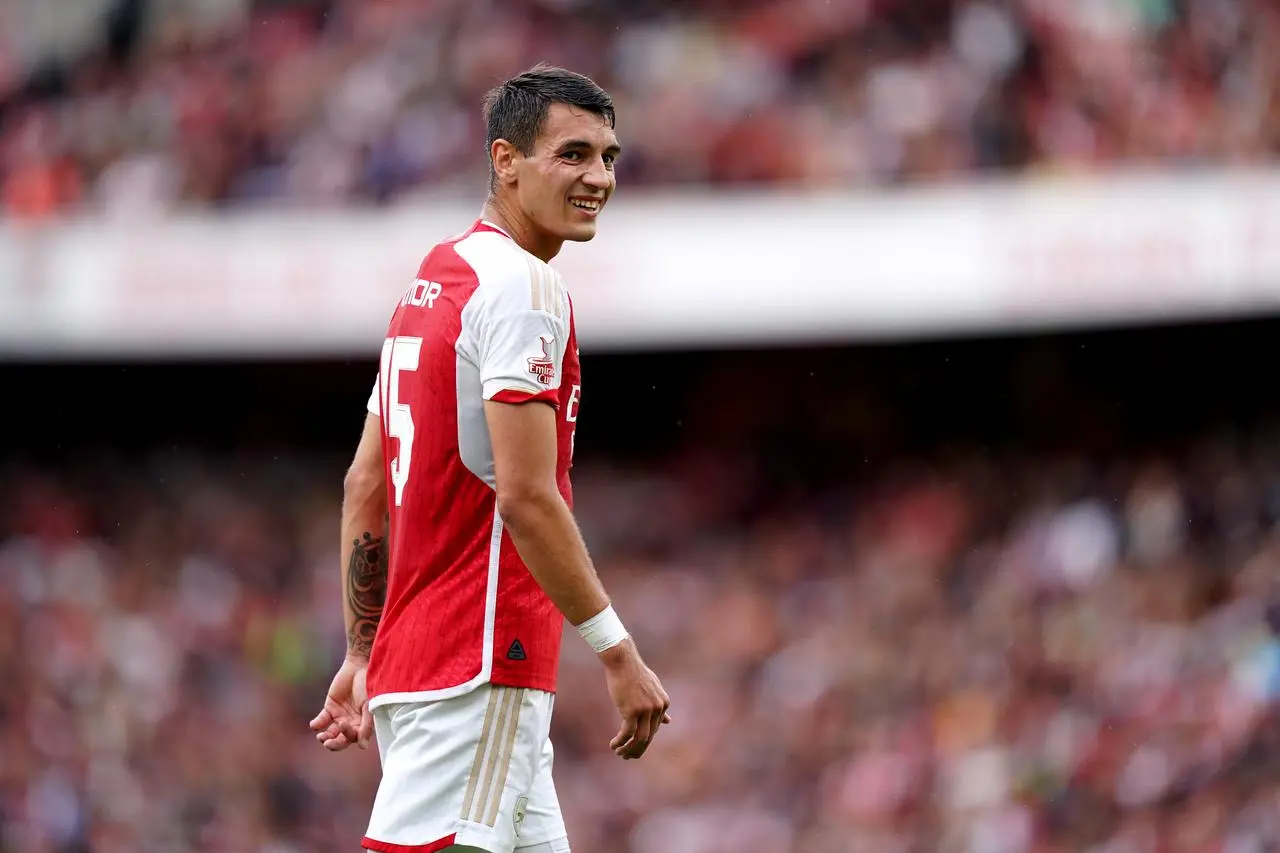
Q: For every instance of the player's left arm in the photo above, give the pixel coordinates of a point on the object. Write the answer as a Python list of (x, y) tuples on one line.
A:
[(364, 545), (345, 718)]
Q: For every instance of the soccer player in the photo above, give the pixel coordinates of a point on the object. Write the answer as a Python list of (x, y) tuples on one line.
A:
[(461, 557)]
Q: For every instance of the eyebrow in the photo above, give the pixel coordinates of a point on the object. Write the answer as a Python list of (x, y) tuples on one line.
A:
[(573, 144)]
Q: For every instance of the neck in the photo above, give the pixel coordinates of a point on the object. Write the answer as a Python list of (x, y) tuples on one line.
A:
[(509, 218)]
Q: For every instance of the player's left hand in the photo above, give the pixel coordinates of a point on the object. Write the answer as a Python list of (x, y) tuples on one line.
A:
[(346, 718)]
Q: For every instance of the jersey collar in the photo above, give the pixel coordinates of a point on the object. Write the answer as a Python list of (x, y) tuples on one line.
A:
[(486, 225)]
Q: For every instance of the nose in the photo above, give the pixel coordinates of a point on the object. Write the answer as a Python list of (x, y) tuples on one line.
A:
[(598, 176)]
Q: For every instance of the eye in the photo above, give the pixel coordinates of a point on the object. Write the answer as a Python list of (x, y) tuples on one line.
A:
[(609, 159), (572, 155)]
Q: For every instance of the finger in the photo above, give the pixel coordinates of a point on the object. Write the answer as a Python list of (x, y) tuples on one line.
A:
[(666, 719), (625, 734), (327, 737), (640, 742), (656, 718), (655, 723), (349, 730), (645, 733), (366, 727), (337, 744), (321, 720)]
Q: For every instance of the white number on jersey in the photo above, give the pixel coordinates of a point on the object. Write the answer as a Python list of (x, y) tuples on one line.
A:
[(398, 354), (571, 415)]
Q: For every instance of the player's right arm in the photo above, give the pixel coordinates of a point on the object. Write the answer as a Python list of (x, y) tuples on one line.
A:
[(543, 529), (534, 512), (518, 333)]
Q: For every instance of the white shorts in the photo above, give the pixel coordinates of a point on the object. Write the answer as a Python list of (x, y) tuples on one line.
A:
[(473, 770)]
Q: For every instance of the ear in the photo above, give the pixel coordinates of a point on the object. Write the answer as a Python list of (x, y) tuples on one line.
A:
[(505, 156)]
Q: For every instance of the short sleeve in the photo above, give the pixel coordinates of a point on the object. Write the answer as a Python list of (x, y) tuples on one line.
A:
[(515, 327), (374, 405), (522, 356)]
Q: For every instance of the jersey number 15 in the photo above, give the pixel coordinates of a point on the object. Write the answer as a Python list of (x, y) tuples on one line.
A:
[(398, 354)]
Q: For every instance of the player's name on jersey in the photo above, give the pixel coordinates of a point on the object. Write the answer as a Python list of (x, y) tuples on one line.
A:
[(422, 293)]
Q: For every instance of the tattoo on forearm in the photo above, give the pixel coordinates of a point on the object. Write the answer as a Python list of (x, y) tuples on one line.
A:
[(366, 591)]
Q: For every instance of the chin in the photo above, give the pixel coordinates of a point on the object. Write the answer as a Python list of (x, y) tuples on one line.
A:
[(579, 233)]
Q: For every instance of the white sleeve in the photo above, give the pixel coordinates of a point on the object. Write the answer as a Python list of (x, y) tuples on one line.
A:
[(520, 328), (374, 405), (521, 356)]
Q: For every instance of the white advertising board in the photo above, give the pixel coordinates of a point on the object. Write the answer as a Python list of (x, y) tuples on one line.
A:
[(696, 269)]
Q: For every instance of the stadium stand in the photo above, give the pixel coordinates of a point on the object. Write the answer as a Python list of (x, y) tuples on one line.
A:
[(1009, 596), (353, 102), (999, 595)]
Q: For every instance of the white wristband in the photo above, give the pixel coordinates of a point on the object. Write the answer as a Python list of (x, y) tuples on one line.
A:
[(603, 631)]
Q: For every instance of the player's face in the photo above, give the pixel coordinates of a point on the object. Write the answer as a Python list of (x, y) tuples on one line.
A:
[(566, 181)]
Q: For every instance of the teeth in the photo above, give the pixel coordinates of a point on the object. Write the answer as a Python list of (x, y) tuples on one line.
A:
[(587, 205)]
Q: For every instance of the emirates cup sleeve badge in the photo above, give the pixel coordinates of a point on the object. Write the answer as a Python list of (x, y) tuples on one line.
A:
[(543, 367)]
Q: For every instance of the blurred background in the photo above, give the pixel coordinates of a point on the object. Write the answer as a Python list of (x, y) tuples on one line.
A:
[(929, 442)]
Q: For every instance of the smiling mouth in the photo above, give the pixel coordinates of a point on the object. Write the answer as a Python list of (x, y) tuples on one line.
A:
[(592, 206)]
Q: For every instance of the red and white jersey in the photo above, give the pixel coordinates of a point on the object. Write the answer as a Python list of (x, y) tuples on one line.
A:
[(483, 320)]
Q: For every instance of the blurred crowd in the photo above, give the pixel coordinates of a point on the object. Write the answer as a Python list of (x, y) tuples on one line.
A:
[(341, 102), (981, 655)]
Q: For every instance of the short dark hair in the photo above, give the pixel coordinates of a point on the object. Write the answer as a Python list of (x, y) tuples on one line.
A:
[(516, 109)]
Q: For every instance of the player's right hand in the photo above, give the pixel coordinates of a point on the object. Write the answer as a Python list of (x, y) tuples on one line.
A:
[(345, 718), (638, 695)]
